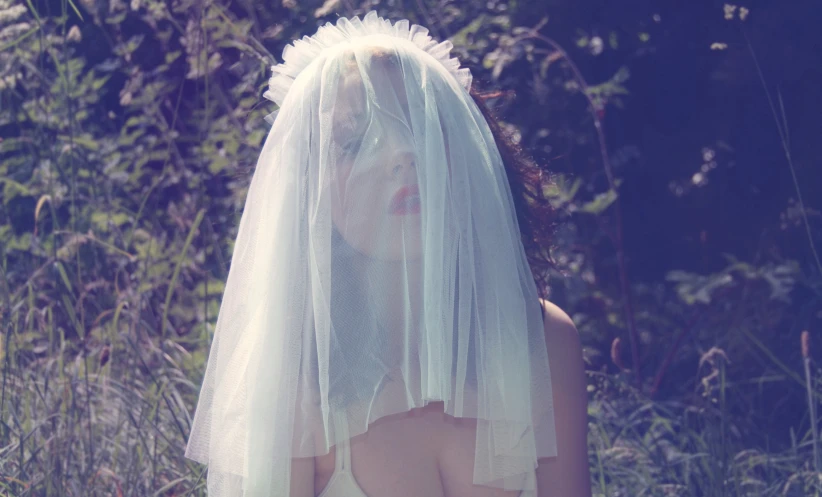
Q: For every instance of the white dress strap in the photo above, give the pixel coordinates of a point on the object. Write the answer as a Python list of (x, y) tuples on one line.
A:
[(342, 459)]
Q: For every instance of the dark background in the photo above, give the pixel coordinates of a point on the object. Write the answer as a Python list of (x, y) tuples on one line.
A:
[(125, 159)]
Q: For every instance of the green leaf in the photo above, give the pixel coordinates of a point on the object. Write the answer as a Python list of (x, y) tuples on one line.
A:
[(13, 189), (120, 218), (255, 138), (182, 257), (460, 38), (64, 277), (72, 316), (218, 164), (137, 120), (215, 288), (693, 288), (100, 220), (86, 140), (18, 40), (172, 56), (76, 10), (99, 82), (128, 139), (601, 202), (22, 242), (117, 18)]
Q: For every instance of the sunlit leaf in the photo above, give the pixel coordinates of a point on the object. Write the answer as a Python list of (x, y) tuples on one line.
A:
[(601, 202)]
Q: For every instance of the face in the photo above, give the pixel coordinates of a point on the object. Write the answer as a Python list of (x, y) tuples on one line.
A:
[(374, 188)]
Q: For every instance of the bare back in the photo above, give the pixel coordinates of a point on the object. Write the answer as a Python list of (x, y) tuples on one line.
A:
[(422, 452), (425, 452)]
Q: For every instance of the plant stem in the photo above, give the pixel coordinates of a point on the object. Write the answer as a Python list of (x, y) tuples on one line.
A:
[(670, 357), (616, 237), (782, 128), (812, 412)]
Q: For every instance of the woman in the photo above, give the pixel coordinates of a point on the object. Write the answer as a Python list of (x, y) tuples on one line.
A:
[(381, 332)]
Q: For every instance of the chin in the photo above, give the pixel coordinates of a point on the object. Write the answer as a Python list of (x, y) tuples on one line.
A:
[(412, 251), (386, 244)]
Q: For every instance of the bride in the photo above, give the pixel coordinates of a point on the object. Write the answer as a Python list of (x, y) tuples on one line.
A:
[(381, 332)]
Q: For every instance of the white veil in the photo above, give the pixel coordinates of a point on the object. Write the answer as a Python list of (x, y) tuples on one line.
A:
[(378, 267)]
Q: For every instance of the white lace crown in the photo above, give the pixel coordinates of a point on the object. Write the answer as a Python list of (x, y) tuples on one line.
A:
[(299, 54)]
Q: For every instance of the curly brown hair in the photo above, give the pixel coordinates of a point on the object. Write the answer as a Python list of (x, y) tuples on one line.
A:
[(536, 216)]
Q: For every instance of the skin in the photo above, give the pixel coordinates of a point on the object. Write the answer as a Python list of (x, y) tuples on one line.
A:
[(425, 452), (437, 455), (567, 474), (373, 159)]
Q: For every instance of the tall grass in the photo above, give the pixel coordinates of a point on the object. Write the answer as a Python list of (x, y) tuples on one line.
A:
[(84, 423), (112, 265)]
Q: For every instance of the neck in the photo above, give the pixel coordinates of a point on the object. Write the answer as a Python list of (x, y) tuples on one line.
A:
[(396, 286)]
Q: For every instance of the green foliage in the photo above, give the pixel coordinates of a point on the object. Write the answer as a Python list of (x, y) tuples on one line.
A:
[(129, 133)]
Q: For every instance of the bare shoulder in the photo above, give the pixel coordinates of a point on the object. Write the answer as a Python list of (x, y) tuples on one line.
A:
[(558, 324), (568, 473), (456, 456)]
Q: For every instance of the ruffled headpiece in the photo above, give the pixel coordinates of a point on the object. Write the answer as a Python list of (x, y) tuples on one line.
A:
[(378, 268), (299, 54)]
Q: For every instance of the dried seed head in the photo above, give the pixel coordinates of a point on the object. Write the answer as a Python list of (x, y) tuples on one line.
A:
[(74, 34), (104, 355), (616, 353), (806, 344)]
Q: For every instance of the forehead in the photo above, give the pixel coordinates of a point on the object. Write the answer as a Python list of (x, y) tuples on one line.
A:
[(370, 75)]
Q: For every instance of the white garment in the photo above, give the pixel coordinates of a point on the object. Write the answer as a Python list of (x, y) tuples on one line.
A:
[(378, 267), (342, 482)]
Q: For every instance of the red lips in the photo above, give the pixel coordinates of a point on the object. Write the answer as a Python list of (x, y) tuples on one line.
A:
[(398, 201)]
